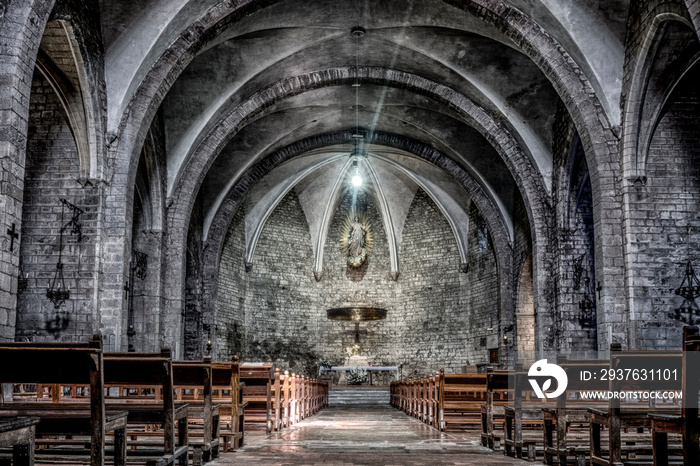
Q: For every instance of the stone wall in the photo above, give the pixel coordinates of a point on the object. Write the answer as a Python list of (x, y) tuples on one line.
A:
[(231, 291), (573, 236), (523, 295), (664, 221), (52, 173), (438, 316)]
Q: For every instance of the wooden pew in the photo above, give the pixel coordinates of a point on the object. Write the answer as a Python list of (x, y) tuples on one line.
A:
[(525, 412), (618, 421), (498, 387), (566, 427), (192, 381), (422, 399), (227, 392), (435, 400), (396, 390), (286, 399), (304, 396), (460, 397), (276, 400), (154, 403), (408, 396), (430, 415), (70, 364), (19, 433), (415, 408), (685, 423), (294, 400), (257, 391)]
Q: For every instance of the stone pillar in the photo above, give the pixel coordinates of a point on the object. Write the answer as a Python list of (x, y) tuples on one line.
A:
[(21, 26)]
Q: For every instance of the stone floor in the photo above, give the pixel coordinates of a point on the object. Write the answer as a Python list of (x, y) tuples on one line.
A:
[(364, 435)]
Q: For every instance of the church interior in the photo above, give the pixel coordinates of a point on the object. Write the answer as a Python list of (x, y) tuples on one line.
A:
[(352, 201)]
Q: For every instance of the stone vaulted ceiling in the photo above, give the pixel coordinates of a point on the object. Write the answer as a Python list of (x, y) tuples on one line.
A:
[(271, 79)]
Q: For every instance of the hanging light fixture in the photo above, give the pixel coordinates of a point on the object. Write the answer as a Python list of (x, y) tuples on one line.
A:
[(689, 289), (57, 291), (357, 32), (688, 312)]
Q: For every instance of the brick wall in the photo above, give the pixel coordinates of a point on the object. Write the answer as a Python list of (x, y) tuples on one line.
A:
[(194, 335), (523, 294), (52, 171), (438, 316), (232, 284), (664, 222)]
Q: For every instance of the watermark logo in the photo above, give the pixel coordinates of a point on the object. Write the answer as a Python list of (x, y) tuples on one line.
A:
[(542, 369)]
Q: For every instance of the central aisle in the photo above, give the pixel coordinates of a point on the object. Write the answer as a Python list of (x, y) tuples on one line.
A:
[(364, 435)]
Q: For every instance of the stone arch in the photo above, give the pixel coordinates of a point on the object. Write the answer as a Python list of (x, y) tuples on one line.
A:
[(639, 120), (22, 25), (656, 262), (527, 178), (56, 228), (145, 254), (531, 39), (59, 181), (578, 254), (559, 67), (218, 230), (691, 5), (209, 145), (72, 83)]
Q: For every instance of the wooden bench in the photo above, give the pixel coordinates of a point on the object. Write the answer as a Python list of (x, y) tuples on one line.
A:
[(277, 399), (71, 364), (257, 391), (286, 397), (430, 400), (685, 423), (193, 384), (303, 400), (19, 433), (499, 386), (566, 426), (152, 404), (415, 405), (628, 424), (523, 426), (294, 403), (227, 392), (460, 398)]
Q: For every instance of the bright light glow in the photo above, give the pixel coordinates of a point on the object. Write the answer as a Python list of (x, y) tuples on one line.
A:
[(356, 180)]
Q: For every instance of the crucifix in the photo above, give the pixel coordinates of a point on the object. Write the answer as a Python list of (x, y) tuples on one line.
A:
[(14, 235), (356, 332)]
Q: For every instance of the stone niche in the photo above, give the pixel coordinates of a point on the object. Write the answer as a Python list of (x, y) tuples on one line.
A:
[(436, 316)]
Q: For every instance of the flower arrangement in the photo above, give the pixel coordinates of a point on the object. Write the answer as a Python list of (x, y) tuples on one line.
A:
[(357, 377)]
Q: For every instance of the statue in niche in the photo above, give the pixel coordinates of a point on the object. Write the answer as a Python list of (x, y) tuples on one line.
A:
[(356, 238)]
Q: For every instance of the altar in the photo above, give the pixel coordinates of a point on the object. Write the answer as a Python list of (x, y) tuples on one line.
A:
[(356, 363), (368, 369)]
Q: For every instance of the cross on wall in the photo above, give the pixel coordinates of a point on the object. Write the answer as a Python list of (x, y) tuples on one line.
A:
[(14, 235), (357, 332)]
